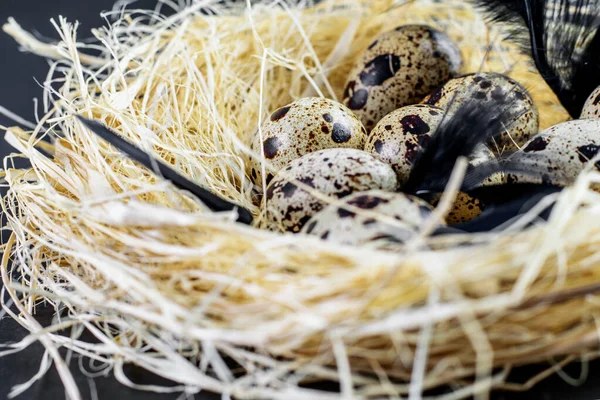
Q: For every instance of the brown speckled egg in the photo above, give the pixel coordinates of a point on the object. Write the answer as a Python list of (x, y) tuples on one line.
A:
[(492, 87), (350, 227), (399, 136), (557, 155), (398, 69), (304, 126), (467, 207), (591, 108), (332, 172), (482, 155)]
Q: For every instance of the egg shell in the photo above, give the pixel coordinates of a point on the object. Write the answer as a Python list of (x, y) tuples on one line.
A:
[(358, 224), (492, 87), (465, 206), (332, 172), (398, 69), (483, 155), (301, 127), (559, 154), (399, 136), (591, 108)]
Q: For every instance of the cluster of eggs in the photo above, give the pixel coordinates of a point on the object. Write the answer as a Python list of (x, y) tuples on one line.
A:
[(337, 170)]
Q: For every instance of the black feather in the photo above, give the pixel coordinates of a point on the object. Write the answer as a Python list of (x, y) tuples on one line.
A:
[(561, 36), (502, 204), (211, 200), (508, 12), (498, 195), (458, 135), (513, 16), (572, 41)]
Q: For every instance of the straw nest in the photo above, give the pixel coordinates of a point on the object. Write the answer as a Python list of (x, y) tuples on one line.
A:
[(213, 305)]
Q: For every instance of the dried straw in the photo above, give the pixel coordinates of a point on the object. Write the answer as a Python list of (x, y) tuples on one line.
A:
[(189, 295)]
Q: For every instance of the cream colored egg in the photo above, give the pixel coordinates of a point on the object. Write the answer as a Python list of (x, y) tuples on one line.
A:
[(483, 155), (400, 135), (335, 173), (373, 217), (398, 69), (591, 108), (557, 155), (304, 126), (465, 206), (492, 87)]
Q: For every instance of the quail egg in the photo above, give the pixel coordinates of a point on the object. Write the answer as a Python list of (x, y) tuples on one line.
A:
[(301, 127), (296, 193), (466, 207), (557, 155), (398, 69), (591, 108), (483, 155), (358, 221), (492, 87), (400, 135)]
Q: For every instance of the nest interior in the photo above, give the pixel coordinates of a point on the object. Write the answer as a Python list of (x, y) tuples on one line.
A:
[(164, 283)]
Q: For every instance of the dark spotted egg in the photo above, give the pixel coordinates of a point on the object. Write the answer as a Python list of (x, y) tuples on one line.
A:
[(467, 207), (483, 155), (557, 155), (301, 189), (399, 136), (492, 87), (306, 125), (398, 69), (591, 108), (358, 221)]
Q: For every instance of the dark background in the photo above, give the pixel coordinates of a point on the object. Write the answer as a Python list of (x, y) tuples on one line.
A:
[(17, 90)]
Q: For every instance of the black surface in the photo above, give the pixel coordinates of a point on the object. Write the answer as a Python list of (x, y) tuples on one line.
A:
[(17, 89)]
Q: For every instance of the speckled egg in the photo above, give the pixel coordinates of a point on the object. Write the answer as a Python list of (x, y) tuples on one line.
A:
[(467, 207), (336, 173), (483, 155), (399, 136), (398, 69), (557, 155), (356, 221), (591, 108), (492, 87), (304, 126)]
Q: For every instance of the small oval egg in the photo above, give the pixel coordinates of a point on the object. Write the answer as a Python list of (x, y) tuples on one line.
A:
[(492, 87), (301, 127), (483, 155), (400, 68), (360, 222), (467, 207), (557, 155), (591, 108), (399, 136), (332, 172)]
